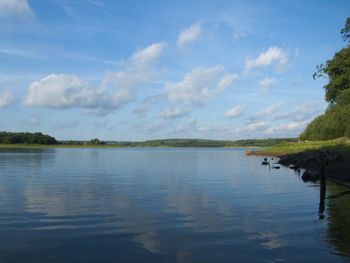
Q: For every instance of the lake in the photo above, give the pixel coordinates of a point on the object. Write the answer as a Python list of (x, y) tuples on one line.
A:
[(164, 205)]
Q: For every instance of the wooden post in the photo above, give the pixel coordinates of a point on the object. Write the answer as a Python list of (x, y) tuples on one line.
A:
[(322, 193), (324, 158)]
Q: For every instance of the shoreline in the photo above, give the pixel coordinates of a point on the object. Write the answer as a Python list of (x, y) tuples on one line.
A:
[(44, 146), (333, 156)]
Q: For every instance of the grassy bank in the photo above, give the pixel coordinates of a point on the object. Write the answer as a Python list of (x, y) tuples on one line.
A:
[(340, 146), (333, 155)]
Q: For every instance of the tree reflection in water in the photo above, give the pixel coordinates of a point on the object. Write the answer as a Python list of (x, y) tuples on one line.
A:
[(338, 212)]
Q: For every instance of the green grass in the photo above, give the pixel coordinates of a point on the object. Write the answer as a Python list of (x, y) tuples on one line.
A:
[(338, 146)]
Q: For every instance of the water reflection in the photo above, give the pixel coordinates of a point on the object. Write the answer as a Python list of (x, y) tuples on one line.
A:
[(163, 205), (323, 187), (338, 207)]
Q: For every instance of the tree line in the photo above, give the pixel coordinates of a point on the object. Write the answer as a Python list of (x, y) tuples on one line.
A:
[(335, 122), (26, 138), (204, 143)]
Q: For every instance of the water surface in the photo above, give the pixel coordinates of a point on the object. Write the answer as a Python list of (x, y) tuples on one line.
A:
[(163, 205)]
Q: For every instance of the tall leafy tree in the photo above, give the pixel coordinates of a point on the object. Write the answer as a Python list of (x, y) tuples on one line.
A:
[(337, 69), (335, 122)]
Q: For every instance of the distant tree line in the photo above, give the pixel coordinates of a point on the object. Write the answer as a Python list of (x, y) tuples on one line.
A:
[(335, 122), (26, 138), (91, 142), (39, 138), (204, 143)]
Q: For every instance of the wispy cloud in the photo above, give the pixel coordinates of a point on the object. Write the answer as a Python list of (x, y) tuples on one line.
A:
[(147, 103), (267, 112), (175, 112), (196, 89), (302, 112), (200, 85), (274, 56), (21, 53), (189, 35), (267, 84), (234, 112), (19, 9), (7, 99)]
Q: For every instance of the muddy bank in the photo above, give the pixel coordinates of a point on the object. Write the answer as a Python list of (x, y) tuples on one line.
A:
[(335, 166)]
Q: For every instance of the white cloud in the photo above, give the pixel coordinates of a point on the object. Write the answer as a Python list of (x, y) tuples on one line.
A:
[(255, 126), (189, 35), (21, 53), (267, 111), (15, 8), (147, 103), (234, 112), (274, 56), (186, 128), (147, 56), (175, 112), (267, 83), (116, 89), (227, 80), (239, 34), (200, 85), (304, 111), (6, 99), (292, 128)]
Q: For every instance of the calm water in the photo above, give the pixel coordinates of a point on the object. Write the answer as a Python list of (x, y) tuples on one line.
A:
[(163, 205)]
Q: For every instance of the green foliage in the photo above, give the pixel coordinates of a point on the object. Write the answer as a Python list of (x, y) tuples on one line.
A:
[(338, 71), (26, 138), (338, 146), (77, 143), (204, 143), (346, 30), (96, 142), (335, 122)]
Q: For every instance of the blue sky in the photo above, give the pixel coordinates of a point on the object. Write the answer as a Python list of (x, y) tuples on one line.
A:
[(136, 70)]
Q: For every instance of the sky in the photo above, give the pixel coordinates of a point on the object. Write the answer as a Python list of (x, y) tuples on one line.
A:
[(138, 70)]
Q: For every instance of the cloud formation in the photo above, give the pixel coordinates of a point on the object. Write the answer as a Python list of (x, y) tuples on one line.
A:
[(267, 83), (274, 56), (7, 99), (234, 112), (147, 103), (292, 127), (175, 112), (189, 35), (266, 112), (15, 9), (302, 112), (116, 88), (196, 89), (200, 85)]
